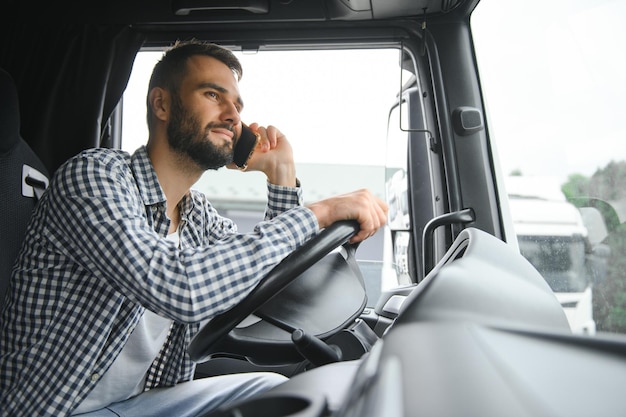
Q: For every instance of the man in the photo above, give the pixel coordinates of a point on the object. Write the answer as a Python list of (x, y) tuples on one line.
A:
[(123, 261)]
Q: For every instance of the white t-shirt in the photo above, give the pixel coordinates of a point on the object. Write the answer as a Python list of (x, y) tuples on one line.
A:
[(127, 375)]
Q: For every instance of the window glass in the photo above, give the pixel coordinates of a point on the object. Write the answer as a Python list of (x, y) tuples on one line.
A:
[(552, 78), (397, 183), (333, 106), (397, 194)]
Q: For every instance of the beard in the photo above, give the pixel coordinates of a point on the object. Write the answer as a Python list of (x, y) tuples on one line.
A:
[(189, 140)]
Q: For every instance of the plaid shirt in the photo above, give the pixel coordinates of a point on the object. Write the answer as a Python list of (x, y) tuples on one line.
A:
[(95, 256)]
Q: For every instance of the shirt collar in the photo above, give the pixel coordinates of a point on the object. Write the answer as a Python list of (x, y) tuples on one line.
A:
[(148, 183), (146, 178)]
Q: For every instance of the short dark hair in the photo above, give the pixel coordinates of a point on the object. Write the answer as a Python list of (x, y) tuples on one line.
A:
[(172, 67)]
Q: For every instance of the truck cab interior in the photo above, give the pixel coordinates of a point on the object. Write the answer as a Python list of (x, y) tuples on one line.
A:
[(454, 320)]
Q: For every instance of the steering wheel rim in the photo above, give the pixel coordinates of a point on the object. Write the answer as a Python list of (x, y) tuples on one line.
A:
[(294, 264)]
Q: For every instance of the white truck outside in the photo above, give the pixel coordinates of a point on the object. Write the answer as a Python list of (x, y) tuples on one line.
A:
[(553, 237)]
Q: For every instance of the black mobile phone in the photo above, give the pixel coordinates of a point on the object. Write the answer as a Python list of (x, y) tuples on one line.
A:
[(244, 147)]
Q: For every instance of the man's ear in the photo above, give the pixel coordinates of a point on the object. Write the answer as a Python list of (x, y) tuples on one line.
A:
[(159, 100)]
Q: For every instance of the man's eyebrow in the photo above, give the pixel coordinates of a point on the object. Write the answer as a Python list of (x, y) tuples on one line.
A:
[(220, 89)]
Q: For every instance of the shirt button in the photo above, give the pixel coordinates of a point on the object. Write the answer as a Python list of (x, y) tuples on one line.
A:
[(95, 377)]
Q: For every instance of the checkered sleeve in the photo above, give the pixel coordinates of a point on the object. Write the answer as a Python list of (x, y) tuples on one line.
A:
[(115, 242), (281, 199)]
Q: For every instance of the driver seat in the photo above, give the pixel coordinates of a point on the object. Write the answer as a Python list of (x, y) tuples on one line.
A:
[(23, 178)]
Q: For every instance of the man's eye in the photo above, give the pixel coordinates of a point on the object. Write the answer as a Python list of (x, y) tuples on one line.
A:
[(213, 94)]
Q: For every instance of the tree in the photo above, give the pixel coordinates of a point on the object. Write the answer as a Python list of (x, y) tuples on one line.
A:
[(609, 185), (609, 303), (577, 185)]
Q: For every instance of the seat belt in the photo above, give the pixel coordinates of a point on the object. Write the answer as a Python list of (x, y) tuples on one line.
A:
[(34, 183)]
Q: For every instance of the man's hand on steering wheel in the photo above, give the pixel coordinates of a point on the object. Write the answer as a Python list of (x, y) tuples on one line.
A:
[(349, 217), (363, 206)]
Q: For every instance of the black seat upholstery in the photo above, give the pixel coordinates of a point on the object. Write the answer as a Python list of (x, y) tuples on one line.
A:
[(22, 179)]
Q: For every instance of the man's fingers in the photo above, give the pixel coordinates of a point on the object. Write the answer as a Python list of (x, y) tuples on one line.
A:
[(372, 217)]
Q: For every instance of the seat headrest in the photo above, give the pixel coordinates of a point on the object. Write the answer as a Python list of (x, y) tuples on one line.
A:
[(10, 113)]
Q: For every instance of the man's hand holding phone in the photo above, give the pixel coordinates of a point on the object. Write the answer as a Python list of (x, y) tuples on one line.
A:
[(271, 154)]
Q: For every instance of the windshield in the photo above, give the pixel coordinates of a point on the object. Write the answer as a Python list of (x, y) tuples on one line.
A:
[(559, 259), (553, 83), (334, 116)]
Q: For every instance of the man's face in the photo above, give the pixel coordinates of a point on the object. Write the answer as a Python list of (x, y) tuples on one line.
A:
[(204, 117), (187, 137)]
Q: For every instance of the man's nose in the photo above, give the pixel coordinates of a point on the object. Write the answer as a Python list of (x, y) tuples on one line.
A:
[(230, 113)]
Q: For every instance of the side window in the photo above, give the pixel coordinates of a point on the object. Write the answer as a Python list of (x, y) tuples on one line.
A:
[(397, 192), (331, 104), (554, 87)]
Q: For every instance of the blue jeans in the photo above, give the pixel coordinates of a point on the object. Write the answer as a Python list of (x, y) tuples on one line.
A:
[(193, 398)]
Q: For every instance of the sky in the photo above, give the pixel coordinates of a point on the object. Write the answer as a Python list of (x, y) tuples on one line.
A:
[(554, 93), (314, 105)]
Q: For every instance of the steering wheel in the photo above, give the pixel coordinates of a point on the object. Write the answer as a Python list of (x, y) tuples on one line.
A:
[(290, 304)]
